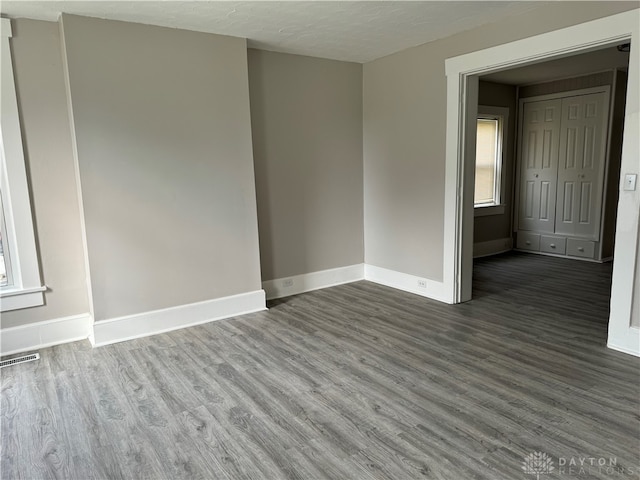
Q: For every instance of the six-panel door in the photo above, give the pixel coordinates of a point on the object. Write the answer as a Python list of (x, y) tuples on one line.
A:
[(580, 170), (539, 165)]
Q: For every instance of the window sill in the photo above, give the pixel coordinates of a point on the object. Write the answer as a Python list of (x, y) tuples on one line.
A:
[(15, 299), (485, 211)]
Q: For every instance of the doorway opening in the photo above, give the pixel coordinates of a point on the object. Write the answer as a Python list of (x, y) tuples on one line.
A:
[(463, 84)]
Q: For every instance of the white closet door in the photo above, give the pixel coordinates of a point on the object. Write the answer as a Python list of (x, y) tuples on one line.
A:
[(539, 165), (581, 169)]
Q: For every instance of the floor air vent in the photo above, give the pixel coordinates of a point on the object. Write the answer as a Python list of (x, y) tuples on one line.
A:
[(23, 359)]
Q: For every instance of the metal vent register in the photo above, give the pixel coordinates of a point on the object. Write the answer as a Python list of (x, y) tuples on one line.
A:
[(14, 361)]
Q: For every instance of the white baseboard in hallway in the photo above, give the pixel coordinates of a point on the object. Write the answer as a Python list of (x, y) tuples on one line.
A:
[(144, 324), (286, 286), (38, 335)]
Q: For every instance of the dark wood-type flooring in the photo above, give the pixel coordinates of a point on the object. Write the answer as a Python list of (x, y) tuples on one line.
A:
[(358, 381)]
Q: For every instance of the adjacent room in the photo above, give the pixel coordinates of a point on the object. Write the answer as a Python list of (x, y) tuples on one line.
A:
[(319, 240), (551, 188)]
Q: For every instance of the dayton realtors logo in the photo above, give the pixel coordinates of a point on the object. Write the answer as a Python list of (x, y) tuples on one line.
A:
[(537, 463)]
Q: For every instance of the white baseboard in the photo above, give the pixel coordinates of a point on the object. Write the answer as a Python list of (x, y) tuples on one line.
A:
[(144, 324), (627, 343), (45, 334), (408, 283), (635, 353), (283, 287), (492, 247)]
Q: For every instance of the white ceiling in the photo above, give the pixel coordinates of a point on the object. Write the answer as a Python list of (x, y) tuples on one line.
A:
[(357, 31), (596, 61)]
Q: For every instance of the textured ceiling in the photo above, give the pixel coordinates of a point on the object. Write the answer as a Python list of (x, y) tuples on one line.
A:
[(357, 31)]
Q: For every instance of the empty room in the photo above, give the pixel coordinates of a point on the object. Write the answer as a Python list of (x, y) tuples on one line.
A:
[(307, 240)]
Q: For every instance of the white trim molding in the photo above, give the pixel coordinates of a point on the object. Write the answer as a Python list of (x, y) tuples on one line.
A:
[(35, 336), (631, 343), (76, 167), (462, 77), (307, 282), (5, 28), (19, 244), (21, 298), (407, 283), (488, 210), (144, 324), (492, 247), (294, 285)]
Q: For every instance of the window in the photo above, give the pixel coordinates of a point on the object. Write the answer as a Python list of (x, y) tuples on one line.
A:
[(489, 158), (20, 285)]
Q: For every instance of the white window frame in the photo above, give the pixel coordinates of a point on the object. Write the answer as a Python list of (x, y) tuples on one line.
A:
[(26, 288), (501, 114)]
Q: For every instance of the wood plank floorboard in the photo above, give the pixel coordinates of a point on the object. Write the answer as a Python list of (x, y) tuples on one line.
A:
[(358, 381)]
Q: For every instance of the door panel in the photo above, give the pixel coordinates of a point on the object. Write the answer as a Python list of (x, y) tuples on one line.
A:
[(546, 203), (570, 158), (583, 134), (539, 165), (585, 202), (567, 203), (528, 204)]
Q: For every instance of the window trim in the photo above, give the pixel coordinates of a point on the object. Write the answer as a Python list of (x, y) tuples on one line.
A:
[(26, 289), (6, 256), (502, 115)]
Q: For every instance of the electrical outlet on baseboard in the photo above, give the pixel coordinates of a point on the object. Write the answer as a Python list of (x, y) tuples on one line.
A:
[(422, 284), (288, 282)]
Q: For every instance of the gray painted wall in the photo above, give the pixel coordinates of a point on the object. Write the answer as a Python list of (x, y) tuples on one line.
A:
[(307, 142), (163, 136), (42, 104), (494, 227), (404, 135)]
